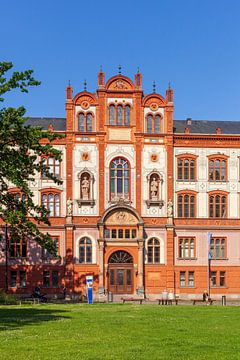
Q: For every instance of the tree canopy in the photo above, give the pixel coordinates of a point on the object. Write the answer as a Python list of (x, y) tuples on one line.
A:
[(22, 148)]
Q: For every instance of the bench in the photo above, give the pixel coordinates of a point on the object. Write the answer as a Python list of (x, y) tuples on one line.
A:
[(29, 300), (140, 300), (209, 302), (167, 301)]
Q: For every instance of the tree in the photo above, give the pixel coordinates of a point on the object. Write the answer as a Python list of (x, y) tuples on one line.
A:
[(21, 150)]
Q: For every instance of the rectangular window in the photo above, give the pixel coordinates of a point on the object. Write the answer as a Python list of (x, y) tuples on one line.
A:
[(222, 278), (186, 248), (114, 234), (127, 234), (46, 278), (107, 233), (191, 279), (13, 279), (55, 279), (120, 233), (213, 278), (182, 279), (218, 248), (18, 248), (134, 233), (23, 282), (46, 255)]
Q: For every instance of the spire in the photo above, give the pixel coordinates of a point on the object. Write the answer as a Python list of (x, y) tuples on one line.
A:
[(154, 87), (85, 85), (169, 93), (119, 69)]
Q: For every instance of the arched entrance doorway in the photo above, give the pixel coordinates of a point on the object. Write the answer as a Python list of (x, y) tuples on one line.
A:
[(120, 267)]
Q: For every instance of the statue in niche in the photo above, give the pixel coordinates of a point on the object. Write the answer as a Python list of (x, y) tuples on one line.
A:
[(69, 207), (170, 208), (85, 187), (154, 189)]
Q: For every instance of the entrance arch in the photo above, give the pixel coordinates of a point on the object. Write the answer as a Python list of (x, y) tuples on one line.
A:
[(120, 267)]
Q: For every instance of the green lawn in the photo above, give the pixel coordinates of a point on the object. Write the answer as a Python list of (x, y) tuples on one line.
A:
[(116, 331)]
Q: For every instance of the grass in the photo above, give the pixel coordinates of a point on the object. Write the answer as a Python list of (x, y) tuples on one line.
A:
[(116, 331)]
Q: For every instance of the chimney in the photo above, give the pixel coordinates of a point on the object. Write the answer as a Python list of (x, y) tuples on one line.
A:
[(218, 131), (187, 130)]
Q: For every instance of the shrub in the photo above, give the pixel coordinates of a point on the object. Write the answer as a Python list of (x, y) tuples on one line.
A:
[(7, 299)]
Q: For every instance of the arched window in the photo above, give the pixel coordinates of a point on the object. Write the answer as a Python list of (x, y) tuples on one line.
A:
[(186, 168), (127, 115), (111, 114), (119, 115), (186, 205), (153, 123), (119, 179), (85, 122), (157, 124), (217, 205), (81, 122), (217, 169), (85, 251), (89, 122), (51, 202), (153, 251), (149, 124)]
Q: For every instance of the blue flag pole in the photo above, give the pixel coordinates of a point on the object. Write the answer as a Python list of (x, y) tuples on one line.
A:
[(209, 264)]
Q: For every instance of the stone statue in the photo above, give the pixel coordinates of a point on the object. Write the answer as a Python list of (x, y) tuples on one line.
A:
[(170, 208), (154, 189), (85, 186), (69, 207)]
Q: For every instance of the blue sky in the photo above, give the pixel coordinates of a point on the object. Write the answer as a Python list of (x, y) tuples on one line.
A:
[(194, 44)]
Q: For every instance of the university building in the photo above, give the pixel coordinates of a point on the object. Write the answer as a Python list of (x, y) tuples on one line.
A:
[(140, 194)]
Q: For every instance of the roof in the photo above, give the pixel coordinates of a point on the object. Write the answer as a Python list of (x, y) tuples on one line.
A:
[(196, 127), (59, 124), (207, 127)]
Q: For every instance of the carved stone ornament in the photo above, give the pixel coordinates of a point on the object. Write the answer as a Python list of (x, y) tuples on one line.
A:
[(85, 156), (154, 106), (122, 218), (154, 157), (119, 85), (85, 104)]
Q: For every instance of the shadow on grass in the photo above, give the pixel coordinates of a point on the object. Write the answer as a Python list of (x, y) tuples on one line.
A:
[(13, 319)]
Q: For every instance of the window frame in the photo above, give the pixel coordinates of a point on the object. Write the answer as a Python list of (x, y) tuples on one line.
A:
[(115, 196), (115, 121), (182, 248), (13, 249), (214, 159), (54, 193), (213, 248), (187, 207), (153, 127), (84, 245), (181, 171), (85, 122), (153, 256), (54, 166), (214, 205)]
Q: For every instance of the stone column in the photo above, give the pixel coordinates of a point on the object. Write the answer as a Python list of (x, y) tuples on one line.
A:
[(140, 288), (101, 245)]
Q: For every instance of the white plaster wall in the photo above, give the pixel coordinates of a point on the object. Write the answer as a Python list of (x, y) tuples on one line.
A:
[(78, 166), (128, 152), (203, 186), (147, 167)]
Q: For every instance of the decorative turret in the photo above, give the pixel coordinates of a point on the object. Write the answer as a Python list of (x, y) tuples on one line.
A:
[(169, 94), (69, 91), (138, 80), (101, 78)]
